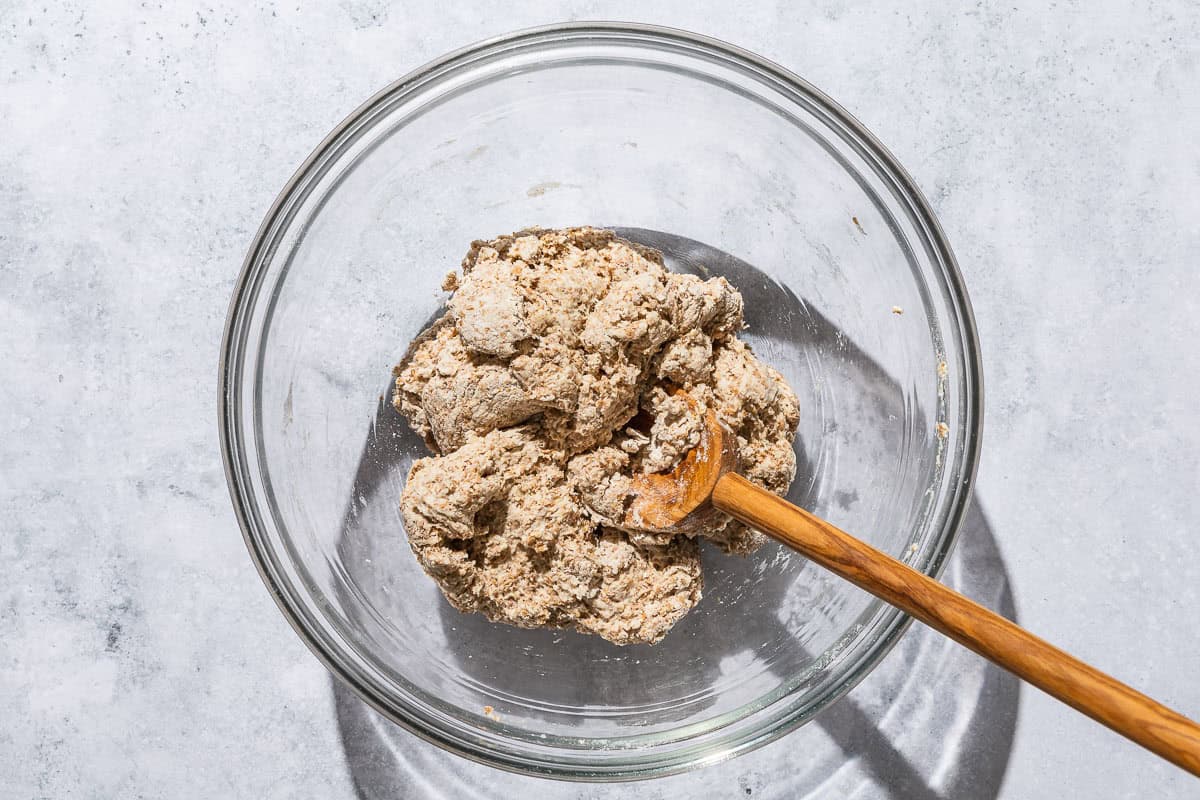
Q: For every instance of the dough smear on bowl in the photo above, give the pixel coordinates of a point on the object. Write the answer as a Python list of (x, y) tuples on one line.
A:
[(550, 382)]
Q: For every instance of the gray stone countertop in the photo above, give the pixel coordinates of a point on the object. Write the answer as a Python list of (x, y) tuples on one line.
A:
[(140, 145)]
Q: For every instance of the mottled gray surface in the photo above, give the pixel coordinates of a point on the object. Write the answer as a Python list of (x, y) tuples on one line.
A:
[(140, 146)]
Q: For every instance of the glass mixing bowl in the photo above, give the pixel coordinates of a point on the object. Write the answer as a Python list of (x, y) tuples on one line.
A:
[(729, 164)]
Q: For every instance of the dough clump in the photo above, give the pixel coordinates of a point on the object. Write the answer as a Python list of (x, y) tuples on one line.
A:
[(550, 382)]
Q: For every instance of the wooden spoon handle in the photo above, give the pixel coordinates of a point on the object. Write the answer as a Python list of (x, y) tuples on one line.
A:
[(1128, 712)]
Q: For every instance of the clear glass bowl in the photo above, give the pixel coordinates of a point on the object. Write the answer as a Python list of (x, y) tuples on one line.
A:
[(732, 166)]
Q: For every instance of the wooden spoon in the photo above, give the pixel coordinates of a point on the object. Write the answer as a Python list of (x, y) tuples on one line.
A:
[(706, 483)]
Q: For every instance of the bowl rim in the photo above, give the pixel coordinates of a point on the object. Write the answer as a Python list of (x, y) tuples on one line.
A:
[(891, 625)]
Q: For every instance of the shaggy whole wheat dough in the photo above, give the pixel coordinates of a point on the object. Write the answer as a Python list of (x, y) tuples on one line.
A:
[(550, 382)]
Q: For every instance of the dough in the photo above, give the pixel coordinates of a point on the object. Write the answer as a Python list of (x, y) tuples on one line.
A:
[(549, 384)]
